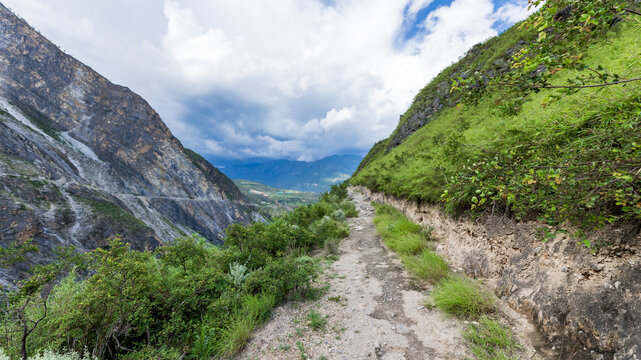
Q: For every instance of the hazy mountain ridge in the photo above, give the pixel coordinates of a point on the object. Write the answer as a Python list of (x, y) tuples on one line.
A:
[(82, 159), (312, 176)]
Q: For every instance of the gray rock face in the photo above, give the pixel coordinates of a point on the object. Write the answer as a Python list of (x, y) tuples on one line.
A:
[(82, 159)]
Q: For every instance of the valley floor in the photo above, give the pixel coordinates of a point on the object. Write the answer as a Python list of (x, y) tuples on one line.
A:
[(373, 309)]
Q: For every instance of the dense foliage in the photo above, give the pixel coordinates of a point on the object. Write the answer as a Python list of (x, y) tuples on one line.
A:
[(528, 151), (188, 299)]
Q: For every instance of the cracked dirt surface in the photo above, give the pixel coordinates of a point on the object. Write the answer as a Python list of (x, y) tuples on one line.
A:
[(374, 310)]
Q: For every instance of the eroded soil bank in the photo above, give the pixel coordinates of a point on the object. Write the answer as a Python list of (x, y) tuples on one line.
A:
[(373, 309), (586, 303)]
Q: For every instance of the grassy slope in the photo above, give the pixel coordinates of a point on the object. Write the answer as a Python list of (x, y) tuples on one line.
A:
[(486, 57), (421, 168)]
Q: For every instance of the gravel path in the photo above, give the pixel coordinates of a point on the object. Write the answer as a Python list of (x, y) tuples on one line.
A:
[(374, 310)]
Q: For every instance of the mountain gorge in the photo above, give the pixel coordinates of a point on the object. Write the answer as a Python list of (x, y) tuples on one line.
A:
[(82, 159)]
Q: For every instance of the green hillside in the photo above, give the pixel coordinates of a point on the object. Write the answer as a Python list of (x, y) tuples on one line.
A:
[(569, 154)]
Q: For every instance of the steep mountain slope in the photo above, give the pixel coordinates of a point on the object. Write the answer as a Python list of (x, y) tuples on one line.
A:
[(82, 159), (549, 178), (312, 176)]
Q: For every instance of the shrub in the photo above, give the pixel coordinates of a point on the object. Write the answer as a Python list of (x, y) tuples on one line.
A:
[(280, 278), (462, 297), (327, 228), (339, 215), (238, 273)]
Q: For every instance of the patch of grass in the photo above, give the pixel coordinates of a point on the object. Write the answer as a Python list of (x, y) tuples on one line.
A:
[(399, 233), (410, 241), (234, 336), (116, 213), (316, 320), (259, 306), (301, 348), (462, 297), (334, 298), (284, 347), (490, 339), (427, 265)]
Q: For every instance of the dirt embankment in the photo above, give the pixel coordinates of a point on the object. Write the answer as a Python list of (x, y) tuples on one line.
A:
[(586, 302)]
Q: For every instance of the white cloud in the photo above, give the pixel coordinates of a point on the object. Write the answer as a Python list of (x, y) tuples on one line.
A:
[(197, 52), (335, 118), (277, 78)]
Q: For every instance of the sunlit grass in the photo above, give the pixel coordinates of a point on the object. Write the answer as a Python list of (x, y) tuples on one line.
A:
[(463, 297)]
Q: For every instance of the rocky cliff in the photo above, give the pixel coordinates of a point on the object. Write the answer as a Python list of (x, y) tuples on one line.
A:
[(83, 159)]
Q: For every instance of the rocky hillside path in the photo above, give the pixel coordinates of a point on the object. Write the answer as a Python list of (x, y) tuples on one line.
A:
[(374, 310)]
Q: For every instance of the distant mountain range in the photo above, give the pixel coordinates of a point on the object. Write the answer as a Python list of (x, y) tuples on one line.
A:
[(312, 176)]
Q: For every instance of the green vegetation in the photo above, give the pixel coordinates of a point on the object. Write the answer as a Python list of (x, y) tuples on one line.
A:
[(51, 355), (316, 320), (411, 242), (188, 299), (490, 339), (399, 233), (41, 122), (462, 297), (301, 348), (453, 294), (272, 201), (116, 213), (571, 158), (426, 265)]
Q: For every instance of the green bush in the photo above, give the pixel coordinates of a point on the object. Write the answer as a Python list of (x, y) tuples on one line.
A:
[(282, 277)]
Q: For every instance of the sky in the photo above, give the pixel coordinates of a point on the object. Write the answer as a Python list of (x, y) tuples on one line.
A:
[(294, 79)]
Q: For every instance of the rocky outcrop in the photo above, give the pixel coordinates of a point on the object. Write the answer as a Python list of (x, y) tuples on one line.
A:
[(585, 301), (82, 159)]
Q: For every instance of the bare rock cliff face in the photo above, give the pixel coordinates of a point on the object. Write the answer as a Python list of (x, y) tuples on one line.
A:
[(82, 159)]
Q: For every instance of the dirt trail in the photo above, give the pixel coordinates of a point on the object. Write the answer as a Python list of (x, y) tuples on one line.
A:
[(380, 314)]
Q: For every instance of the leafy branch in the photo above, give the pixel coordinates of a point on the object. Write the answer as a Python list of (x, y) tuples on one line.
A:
[(564, 29)]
